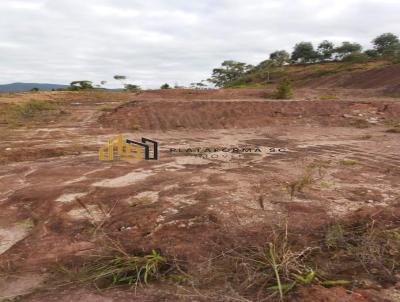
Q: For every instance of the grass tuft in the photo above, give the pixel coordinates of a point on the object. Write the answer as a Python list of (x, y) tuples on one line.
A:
[(348, 162), (120, 269)]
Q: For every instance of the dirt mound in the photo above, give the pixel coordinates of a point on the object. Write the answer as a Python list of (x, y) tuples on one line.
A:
[(194, 94), (169, 115), (386, 78)]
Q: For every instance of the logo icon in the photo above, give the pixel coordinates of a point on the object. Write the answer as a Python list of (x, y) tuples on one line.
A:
[(119, 149)]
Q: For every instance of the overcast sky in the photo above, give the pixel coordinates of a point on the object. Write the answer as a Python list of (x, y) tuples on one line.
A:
[(155, 41)]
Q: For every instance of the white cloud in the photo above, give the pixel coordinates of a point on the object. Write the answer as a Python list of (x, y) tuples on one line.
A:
[(156, 41)]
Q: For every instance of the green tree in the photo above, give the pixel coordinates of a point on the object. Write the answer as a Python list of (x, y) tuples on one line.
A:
[(120, 78), (197, 85), (132, 87), (304, 53), (325, 50), (165, 86), (279, 57), (81, 85), (371, 53), (387, 44), (228, 72), (347, 48), (356, 57)]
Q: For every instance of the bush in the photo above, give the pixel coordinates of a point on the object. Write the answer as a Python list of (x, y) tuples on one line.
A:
[(356, 57), (284, 90), (132, 88)]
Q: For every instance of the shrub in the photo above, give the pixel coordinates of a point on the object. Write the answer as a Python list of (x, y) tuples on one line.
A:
[(356, 57), (132, 88), (284, 90)]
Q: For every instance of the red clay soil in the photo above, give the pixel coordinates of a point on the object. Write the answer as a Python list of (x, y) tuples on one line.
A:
[(57, 198), (177, 115), (386, 78)]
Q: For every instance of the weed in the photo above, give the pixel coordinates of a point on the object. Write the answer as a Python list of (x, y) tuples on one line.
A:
[(28, 223), (300, 184), (348, 162), (308, 176), (373, 249), (284, 90), (275, 269), (120, 268)]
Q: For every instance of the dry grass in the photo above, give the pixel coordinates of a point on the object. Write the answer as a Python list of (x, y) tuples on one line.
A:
[(30, 111), (348, 162), (312, 172), (115, 266)]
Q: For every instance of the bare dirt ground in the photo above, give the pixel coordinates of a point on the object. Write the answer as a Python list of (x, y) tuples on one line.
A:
[(326, 157)]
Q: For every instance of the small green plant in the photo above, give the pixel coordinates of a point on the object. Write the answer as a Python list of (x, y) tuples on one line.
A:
[(305, 279), (348, 162), (284, 90)]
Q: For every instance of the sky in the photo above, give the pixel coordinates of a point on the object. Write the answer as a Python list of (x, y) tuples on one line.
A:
[(175, 41)]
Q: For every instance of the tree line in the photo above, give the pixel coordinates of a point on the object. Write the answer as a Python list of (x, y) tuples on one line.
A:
[(386, 46), (88, 85)]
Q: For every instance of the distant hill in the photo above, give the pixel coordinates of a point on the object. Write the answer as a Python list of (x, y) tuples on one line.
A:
[(20, 87)]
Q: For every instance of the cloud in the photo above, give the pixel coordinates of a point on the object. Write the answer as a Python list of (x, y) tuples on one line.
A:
[(156, 41)]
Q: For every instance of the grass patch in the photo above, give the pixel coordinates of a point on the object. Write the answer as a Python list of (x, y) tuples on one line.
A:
[(119, 268), (348, 162), (31, 111), (372, 249), (339, 254), (270, 272)]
